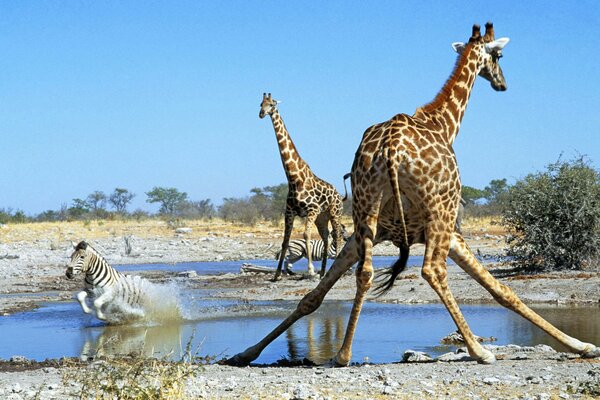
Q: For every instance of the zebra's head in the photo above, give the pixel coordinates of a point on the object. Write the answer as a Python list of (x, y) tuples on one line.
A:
[(78, 263)]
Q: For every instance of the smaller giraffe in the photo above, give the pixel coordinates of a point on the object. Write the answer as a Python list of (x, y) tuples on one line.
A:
[(309, 196)]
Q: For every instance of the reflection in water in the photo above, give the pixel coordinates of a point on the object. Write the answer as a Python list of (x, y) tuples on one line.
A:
[(323, 338), (582, 323), (222, 328), (132, 340)]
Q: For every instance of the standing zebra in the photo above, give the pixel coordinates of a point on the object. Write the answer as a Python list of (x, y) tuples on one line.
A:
[(297, 250), (104, 283)]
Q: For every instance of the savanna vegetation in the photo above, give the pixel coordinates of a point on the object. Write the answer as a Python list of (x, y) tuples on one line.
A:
[(552, 217)]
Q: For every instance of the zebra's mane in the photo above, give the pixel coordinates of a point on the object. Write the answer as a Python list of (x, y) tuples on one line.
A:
[(83, 245)]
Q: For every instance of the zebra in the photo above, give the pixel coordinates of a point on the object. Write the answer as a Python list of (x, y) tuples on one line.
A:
[(103, 283), (297, 250)]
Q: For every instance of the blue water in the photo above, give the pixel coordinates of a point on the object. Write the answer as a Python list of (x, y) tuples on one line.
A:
[(221, 267), (225, 327)]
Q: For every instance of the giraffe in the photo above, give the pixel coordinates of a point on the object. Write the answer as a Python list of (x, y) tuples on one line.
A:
[(308, 195), (406, 188)]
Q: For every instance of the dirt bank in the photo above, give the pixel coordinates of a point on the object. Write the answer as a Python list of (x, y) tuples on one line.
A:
[(32, 270)]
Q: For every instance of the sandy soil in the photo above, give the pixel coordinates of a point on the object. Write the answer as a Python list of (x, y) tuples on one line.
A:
[(32, 266)]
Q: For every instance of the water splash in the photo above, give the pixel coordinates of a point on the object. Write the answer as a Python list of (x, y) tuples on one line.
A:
[(137, 300)]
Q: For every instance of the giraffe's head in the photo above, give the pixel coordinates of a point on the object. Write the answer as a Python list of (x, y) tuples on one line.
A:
[(489, 51), (267, 106), (78, 262)]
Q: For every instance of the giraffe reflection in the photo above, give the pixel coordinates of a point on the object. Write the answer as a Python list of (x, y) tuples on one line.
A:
[(324, 336), (139, 340)]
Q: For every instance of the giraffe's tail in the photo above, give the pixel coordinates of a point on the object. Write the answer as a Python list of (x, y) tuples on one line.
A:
[(348, 175), (385, 278)]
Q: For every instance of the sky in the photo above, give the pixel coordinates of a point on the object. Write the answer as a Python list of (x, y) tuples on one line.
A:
[(99, 95)]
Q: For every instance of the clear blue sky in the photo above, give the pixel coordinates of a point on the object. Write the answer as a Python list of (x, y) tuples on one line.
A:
[(98, 95)]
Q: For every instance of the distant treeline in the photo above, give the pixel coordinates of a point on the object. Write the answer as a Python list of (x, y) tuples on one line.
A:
[(267, 203), (552, 217)]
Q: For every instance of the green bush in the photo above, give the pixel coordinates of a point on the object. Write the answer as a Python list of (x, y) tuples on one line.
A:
[(553, 217)]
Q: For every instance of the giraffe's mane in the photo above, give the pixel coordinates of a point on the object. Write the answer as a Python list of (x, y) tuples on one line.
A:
[(444, 93)]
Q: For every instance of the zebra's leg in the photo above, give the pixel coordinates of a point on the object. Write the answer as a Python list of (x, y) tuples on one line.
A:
[(81, 298), (291, 260), (310, 221), (289, 225), (99, 302)]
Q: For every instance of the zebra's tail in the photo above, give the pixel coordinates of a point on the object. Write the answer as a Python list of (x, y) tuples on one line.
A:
[(385, 278), (346, 190)]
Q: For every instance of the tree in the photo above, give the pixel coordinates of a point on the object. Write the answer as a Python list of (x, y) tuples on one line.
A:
[(169, 199), (554, 217), (471, 194), (496, 189), (119, 199), (96, 202), (196, 209), (79, 208)]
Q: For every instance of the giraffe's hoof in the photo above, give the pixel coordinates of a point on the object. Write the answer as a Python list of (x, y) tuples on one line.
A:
[(236, 361), (591, 352), (334, 363), (487, 357)]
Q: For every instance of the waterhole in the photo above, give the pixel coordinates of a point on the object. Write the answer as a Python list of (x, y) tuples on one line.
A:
[(221, 328)]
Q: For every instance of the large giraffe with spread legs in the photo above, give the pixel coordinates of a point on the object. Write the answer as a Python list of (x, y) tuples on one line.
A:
[(406, 188), (308, 195)]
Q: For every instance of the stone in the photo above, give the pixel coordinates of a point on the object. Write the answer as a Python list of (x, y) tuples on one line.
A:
[(187, 274), (454, 357), (412, 356), (303, 392), (18, 359), (16, 388), (183, 230), (490, 380)]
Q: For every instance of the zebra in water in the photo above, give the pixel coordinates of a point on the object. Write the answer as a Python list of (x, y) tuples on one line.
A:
[(297, 250), (103, 283)]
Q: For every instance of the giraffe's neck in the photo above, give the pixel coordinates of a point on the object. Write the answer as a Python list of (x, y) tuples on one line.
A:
[(448, 107), (291, 160)]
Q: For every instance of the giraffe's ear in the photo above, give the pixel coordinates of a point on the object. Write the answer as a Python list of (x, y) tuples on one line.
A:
[(277, 101), (497, 44), (458, 47)]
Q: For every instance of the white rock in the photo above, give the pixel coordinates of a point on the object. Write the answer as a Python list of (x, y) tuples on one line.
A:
[(416, 356), (490, 380)]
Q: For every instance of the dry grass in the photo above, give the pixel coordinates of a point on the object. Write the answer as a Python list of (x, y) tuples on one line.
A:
[(482, 225), (58, 232)]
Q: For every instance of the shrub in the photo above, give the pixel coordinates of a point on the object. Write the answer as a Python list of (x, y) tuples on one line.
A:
[(554, 217)]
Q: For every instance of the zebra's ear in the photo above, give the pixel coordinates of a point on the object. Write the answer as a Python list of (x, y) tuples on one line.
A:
[(80, 246), (74, 244)]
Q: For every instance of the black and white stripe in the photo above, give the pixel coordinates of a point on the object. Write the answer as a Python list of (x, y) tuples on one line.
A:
[(297, 250), (102, 282)]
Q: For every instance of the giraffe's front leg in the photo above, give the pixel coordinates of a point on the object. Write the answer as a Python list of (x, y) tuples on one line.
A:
[(460, 253), (289, 225), (307, 305), (364, 280), (435, 273), (81, 298)]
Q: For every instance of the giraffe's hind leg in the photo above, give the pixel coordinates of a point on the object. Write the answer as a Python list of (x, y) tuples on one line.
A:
[(322, 224), (460, 253), (310, 222)]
